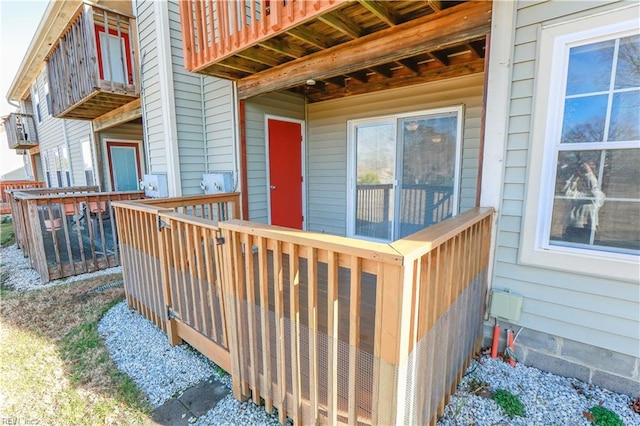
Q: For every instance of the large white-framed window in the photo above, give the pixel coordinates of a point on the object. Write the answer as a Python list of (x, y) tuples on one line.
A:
[(404, 172), (583, 200)]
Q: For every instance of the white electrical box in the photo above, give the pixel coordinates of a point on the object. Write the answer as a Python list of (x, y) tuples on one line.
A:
[(155, 185), (217, 183), (505, 305)]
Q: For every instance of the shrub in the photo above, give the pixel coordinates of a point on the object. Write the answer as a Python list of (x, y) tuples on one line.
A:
[(509, 402)]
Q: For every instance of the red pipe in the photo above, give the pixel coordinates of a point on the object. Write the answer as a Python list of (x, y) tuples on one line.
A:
[(496, 339)]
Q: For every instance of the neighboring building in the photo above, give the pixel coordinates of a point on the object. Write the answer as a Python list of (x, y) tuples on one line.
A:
[(337, 109), (79, 118)]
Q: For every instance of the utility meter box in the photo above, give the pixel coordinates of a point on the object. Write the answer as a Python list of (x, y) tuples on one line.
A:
[(505, 305), (155, 185), (217, 183)]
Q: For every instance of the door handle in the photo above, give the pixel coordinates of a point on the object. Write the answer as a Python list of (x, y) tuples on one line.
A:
[(273, 187)]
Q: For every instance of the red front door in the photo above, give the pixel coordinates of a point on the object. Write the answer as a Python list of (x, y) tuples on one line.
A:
[(285, 173)]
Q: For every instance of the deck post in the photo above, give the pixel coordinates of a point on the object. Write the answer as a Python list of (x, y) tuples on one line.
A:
[(232, 255)]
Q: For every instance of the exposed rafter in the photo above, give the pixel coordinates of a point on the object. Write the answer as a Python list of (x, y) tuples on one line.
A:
[(342, 24), (382, 11), (305, 34)]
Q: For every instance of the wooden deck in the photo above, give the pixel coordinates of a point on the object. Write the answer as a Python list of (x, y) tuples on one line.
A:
[(327, 329), (345, 47)]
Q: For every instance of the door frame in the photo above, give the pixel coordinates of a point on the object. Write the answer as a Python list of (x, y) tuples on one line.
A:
[(303, 165), (127, 143), (351, 160)]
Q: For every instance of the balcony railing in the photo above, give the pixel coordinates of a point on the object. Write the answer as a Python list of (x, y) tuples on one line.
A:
[(218, 28), (21, 131), (93, 68)]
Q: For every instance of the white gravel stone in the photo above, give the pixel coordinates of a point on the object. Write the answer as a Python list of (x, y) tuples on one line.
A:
[(548, 399), (18, 275)]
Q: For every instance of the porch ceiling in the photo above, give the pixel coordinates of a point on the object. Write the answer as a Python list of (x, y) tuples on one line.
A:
[(364, 46)]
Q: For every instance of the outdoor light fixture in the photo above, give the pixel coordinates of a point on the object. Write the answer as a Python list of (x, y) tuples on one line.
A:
[(311, 82)]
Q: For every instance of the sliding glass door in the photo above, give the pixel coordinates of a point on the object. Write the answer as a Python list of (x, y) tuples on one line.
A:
[(404, 172)]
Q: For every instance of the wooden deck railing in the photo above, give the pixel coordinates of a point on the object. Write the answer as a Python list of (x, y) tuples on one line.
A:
[(327, 329), (215, 29), (95, 53), (67, 231), (153, 278), (21, 131), (8, 185)]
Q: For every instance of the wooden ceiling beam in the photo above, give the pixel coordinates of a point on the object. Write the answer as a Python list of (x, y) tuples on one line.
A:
[(123, 114), (458, 70), (383, 70), (435, 5), (315, 39), (455, 25), (360, 76), (342, 24), (382, 11), (410, 64), (440, 58), (262, 56), (336, 81), (283, 47), (477, 48)]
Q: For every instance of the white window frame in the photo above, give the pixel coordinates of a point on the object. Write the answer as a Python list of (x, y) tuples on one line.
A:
[(553, 56), (393, 119)]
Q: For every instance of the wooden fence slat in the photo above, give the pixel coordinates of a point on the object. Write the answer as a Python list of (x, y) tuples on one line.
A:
[(254, 373), (312, 303), (294, 317), (265, 323), (281, 367), (354, 336)]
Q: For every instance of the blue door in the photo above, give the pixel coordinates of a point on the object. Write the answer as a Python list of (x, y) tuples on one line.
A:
[(125, 166)]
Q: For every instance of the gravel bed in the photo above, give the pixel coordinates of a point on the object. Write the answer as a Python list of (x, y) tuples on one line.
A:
[(18, 275), (142, 351), (548, 399)]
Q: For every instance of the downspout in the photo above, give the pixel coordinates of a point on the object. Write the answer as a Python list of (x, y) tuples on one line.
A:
[(145, 129), (236, 136), (204, 126)]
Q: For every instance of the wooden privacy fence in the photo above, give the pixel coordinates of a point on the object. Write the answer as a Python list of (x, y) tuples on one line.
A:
[(327, 329), (6, 185), (67, 231), (215, 29)]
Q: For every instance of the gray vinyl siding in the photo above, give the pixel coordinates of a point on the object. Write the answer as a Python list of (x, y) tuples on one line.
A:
[(597, 311), (219, 126), (327, 142), (281, 104), (51, 135), (188, 88), (130, 132), (204, 117), (150, 93)]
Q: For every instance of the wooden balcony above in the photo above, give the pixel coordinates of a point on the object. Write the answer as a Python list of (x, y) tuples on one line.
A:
[(326, 49), (21, 131), (93, 67)]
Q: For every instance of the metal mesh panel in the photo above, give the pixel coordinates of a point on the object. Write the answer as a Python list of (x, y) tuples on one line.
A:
[(434, 365)]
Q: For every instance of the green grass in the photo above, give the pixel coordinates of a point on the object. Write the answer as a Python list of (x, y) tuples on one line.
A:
[(509, 402), (56, 370), (7, 236)]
